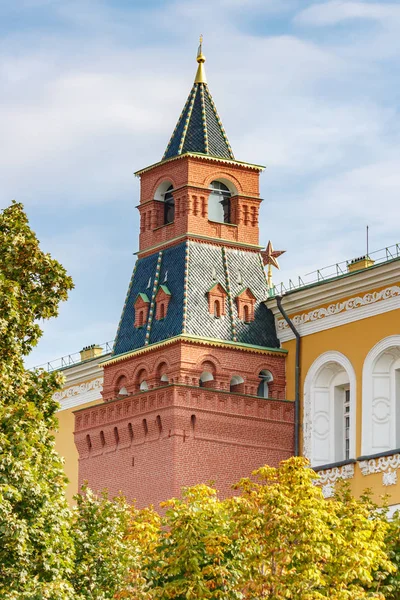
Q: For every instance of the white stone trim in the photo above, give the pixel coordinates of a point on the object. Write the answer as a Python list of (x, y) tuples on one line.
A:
[(306, 298), (335, 315), (328, 478), (392, 509), (76, 395), (384, 344), (323, 359)]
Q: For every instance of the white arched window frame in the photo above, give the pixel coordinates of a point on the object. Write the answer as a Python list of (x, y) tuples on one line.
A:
[(312, 411), (219, 200), (381, 397)]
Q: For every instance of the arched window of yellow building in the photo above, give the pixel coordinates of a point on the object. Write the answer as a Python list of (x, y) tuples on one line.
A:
[(329, 410), (381, 397)]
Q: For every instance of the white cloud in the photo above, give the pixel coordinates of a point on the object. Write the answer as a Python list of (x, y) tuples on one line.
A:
[(337, 11)]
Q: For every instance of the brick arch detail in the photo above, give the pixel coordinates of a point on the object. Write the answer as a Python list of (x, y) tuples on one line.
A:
[(223, 175), (265, 365), (159, 181), (160, 361), (141, 367), (209, 358), (118, 375)]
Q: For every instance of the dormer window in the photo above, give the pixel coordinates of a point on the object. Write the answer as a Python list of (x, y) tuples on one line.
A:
[(219, 203), (163, 298), (169, 206), (142, 304), (245, 302), (216, 300)]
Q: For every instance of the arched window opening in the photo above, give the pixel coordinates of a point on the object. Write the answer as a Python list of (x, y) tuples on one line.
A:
[(162, 310), (159, 424), (130, 431), (246, 314), (206, 379), (116, 436), (193, 422), (219, 203), (237, 384), (145, 427), (141, 318), (143, 386), (263, 388), (381, 397), (102, 439), (169, 206), (346, 423), (88, 442), (328, 391), (217, 309)]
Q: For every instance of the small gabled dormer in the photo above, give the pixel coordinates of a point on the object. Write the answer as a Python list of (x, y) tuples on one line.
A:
[(163, 298), (216, 300), (245, 302), (142, 304)]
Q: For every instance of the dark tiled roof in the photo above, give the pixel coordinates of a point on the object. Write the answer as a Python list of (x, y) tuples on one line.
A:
[(207, 266), (199, 128)]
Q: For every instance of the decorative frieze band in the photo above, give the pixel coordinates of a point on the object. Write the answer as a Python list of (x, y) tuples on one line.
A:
[(387, 465), (347, 305), (76, 395), (329, 477), (203, 399)]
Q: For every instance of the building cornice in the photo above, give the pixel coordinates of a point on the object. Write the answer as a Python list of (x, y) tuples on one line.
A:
[(194, 237), (377, 276), (206, 158), (191, 339), (83, 371)]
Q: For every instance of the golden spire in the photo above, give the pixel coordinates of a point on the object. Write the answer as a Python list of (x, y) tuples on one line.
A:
[(201, 59)]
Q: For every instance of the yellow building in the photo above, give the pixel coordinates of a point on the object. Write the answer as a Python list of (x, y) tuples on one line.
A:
[(349, 371), (82, 387)]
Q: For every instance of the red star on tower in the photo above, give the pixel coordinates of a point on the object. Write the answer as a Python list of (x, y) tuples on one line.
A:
[(270, 256)]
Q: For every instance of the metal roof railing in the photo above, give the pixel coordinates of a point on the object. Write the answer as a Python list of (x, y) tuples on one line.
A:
[(336, 270), (72, 359)]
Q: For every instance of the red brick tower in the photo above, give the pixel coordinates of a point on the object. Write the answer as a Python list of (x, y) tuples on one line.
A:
[(195, 388)]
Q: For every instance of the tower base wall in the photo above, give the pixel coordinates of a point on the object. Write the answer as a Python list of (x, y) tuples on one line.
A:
[(150, 444)]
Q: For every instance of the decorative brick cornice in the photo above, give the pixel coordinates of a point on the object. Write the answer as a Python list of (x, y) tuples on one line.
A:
[(199, 341), (179, 395), (224, 161), (192, 237)]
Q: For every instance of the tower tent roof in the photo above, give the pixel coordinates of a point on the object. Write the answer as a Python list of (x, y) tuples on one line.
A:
[(199, 128)]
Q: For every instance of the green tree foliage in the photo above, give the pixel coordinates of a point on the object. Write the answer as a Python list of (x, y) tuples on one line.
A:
[(198, 556), (35, 545), (277, 539), (103, 554), (299, 545)]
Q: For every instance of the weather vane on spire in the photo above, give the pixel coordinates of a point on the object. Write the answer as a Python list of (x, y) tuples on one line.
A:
[(201, 59), (269, 256)]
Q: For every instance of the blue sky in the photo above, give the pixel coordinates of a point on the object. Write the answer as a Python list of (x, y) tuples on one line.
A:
[(91, 92)]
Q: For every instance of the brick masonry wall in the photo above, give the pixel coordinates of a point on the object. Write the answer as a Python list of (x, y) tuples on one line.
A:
[(191, 178), (192, 435), (183, 362)]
